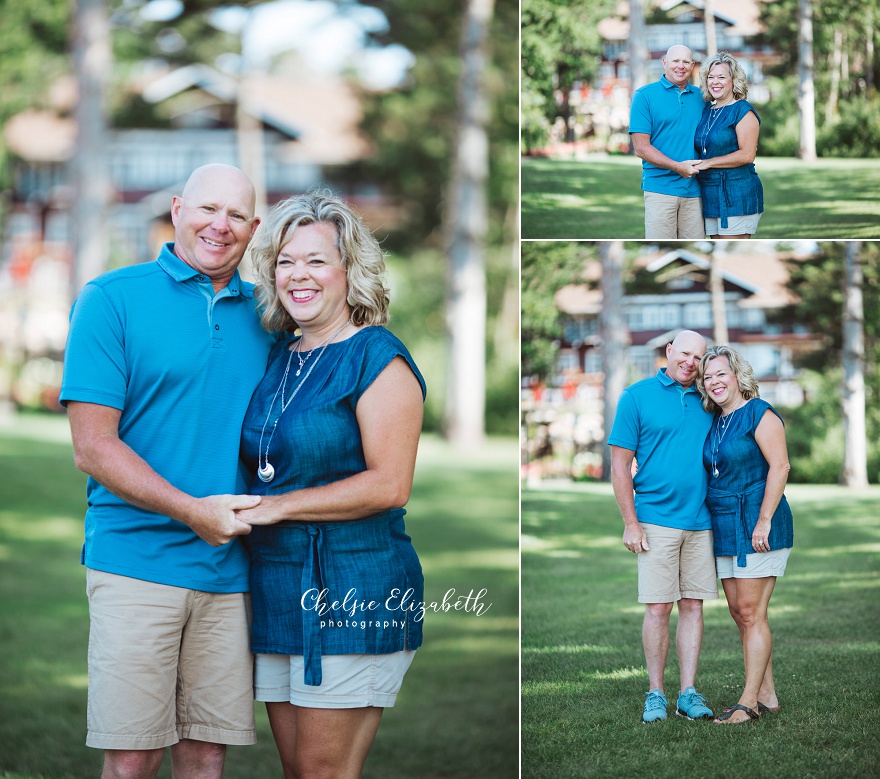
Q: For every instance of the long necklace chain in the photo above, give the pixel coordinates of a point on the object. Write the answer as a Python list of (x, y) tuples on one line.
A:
[(723, 426), (265, 470), (714, 115)]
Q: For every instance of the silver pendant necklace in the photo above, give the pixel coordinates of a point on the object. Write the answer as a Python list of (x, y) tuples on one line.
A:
[(714, 115), (723, 425), (265, 470)]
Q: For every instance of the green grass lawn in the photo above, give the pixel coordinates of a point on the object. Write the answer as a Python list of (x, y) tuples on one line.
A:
[(601, 198), (583, 667), (457, 714)]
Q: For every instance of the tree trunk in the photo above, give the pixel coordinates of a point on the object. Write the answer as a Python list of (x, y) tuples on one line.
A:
[(806, 92), (855, 468), (91, 186), (869, 51), (716, 289), (465, 220), (638, 51), (614, 335), (709, 21), (836, 64)]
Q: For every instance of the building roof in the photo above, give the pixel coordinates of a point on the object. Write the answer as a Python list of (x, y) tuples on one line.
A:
[(743, 15), (758, 269), (321, 115)]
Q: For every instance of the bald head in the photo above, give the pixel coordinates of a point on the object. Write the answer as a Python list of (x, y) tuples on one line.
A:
[(683, 355), (678, 64), (214, 221), (217, 174)]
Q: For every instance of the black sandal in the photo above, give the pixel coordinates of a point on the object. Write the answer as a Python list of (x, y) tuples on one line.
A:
[(753, 715), (763, 709)]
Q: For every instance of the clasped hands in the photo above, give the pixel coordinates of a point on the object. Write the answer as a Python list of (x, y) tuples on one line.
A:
[(690, 168), (219, 518)]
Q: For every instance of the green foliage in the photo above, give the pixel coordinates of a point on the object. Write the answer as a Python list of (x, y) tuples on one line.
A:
[(413, 128), (560, 45), (545, 269), (583, 665), (856, 133), (780, 122)]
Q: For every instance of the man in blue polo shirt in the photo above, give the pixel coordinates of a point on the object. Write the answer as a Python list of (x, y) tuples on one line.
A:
[(663, 119), (660, 423), (161, 362)]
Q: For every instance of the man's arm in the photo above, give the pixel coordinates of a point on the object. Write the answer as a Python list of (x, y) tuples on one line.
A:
[(634, 537), (101, 454), (644, 150)]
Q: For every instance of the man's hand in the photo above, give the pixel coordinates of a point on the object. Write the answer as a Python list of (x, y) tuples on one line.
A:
[(634, 538), (215, 520), (688, 168)]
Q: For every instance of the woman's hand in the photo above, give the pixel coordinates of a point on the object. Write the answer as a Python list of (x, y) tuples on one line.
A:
[(266, 513), (760, 536)]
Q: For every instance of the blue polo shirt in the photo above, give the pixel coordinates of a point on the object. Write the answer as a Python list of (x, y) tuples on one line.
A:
[(665, 425), (181, 363), (670, 116)]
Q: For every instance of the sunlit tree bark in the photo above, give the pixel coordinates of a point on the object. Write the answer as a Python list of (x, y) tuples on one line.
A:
[(806, 90), (614, 334), (466, 220), (92, 60), (855, 468)]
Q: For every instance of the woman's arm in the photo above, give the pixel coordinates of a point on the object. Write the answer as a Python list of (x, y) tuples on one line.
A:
[(389, 416), (747, 130), (770, 437)]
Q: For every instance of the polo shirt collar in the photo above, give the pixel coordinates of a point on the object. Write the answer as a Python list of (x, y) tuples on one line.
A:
[(668, 381), (669, 85), (180, 271)]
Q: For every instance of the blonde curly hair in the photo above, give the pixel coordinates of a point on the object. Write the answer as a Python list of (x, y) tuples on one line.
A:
[(737, 74), (362, 258)]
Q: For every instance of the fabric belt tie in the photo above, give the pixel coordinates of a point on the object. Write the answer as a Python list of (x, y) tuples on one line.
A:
[(747, 501), (312, 579), (725, 200)]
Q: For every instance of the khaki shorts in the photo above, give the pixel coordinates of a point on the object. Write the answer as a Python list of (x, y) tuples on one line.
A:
[(668, 217), (347, 681), (167, 663), (680, 564)]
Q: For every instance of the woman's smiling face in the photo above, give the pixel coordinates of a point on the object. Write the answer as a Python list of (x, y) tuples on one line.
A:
[(720, 83)]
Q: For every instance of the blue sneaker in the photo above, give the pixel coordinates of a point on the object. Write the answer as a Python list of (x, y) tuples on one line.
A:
[(692, 705), (655, 706)]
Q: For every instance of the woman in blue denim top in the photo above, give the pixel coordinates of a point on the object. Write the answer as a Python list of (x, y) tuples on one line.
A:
[(330, 441), (726, 142), (747, 460)]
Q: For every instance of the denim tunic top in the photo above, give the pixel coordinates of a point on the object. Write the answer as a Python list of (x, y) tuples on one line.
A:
[(726, 191), (335, 587), (736, 493)]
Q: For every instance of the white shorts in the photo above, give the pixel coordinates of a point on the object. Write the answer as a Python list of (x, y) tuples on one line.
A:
[(347, 681), (736, 225), (758, 565)]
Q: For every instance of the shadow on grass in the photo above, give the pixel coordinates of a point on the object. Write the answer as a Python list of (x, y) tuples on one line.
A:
[(583, 668), (602, 199), (457, 713)]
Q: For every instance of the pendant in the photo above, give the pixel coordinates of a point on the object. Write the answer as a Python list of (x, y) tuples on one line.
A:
[(704, 151), (715, 473), (267, 472)]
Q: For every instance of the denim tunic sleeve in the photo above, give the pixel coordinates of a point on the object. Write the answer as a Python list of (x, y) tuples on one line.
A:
[(737, 480), (726, 191), (336, 587)]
